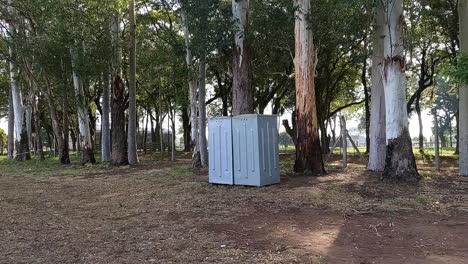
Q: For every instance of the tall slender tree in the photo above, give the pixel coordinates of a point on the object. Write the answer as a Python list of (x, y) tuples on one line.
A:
[(105, 125), (202, 112), (377, 118), (11, 126), (242, 92), (86, 144), (308, 152), (463, 112), (196, 161), (21, 135), (400, 164), (132, 118)]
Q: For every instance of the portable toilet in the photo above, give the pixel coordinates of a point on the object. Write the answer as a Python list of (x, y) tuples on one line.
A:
[(220, 150), (255, 150)]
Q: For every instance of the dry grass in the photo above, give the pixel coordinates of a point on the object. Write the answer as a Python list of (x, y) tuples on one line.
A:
[(163, 212)]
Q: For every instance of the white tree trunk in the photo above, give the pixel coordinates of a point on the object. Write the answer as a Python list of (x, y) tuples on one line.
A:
[(400, 162), (377, 118), (105, 125), (463, 137), (18, 110), (132, 118), (11, 127), (196, 162), (87, 155), (202, 112)]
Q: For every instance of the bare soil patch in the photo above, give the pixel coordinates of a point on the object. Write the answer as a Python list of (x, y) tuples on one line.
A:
[(163, 212)]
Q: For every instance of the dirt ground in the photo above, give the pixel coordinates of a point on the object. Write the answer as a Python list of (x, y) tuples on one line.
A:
[(163, 212)]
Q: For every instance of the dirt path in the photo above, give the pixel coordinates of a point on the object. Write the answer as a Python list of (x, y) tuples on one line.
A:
[(159, 213)]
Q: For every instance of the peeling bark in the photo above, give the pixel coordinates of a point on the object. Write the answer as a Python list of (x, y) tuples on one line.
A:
[(118, 138), (242, 92), (87, 153), (308, 152), (400, 164), (21, 135)]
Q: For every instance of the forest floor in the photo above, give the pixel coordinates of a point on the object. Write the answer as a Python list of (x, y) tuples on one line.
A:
[(164, 212)]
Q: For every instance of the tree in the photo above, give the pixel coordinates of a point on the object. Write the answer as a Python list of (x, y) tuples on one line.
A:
[(308, 152), (3, 140), (119, 140), (196, 161), (11, 127), (132, 119), (400, 164), (463, 112), (21, 140), (86, 144), (242, 92), (377, 117)]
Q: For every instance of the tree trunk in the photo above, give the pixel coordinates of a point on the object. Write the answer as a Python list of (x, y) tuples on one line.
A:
[(242, 92), (145, 136), (119, 141), (196, 161), (132, 118), (105, 122), (436, 145), (421, 136), (366, 104), (28, 119), (11, 127), (202, 112), (37, 127), (21, 135), (87, 153), (377, 124), (463, 135), (308, 153), (457, 136), (400, 164), (186, 128)]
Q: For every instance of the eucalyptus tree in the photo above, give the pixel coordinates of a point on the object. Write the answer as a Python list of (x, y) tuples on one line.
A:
[(242, 91), (21, 136), (132, 119), (400, 163), (463, 135), (192, 83), (308, 153), (377, 118), (11, 126)]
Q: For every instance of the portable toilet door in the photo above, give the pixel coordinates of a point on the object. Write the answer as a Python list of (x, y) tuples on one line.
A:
[(256, 150), (220, 150)]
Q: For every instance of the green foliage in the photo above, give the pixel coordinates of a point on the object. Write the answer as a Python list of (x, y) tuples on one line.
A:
[(285, 139), (3, 138), (461, 71)]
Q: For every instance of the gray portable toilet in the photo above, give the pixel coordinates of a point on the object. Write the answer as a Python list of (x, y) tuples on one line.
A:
[(220, 150), (255, 150)]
